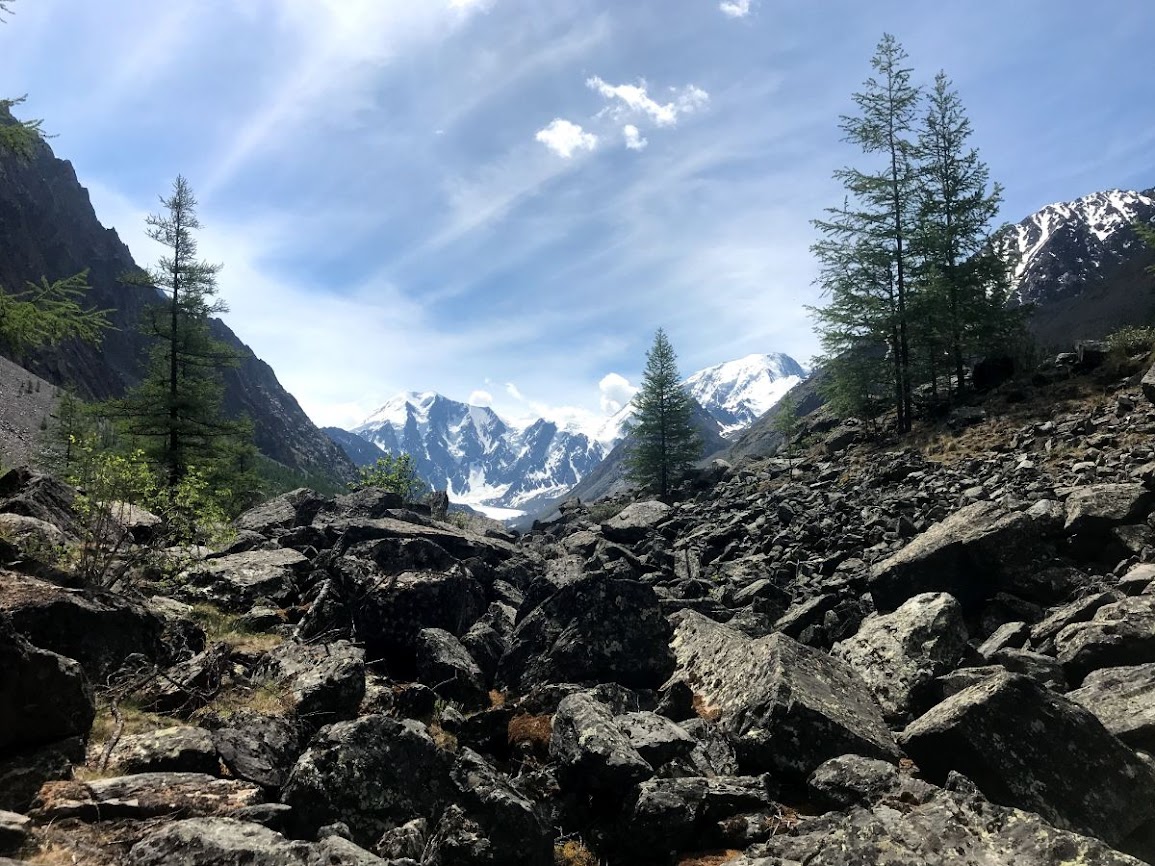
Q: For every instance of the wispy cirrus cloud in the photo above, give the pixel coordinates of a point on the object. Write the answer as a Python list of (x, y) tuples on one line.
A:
[(635, 100)]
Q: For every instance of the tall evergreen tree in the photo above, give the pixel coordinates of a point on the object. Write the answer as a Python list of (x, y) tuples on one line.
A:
[(869, 236), (962, 275), (17, 136), (665, 444), (176, 411)]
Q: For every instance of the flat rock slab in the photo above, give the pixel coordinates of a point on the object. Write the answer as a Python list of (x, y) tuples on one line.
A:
[(969, 555), (898, 655), (1123, 699), (146, 795), (897, 820), (237, 581), (180, 749), (788, 707), (634, 521), (1120, 633), (1027, 747), (1098, 507), (228, 842)]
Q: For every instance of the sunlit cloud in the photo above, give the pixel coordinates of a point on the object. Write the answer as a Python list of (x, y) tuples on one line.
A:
[(566, 138)]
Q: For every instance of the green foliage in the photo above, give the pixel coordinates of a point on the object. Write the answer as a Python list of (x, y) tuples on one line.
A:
[(786, 421), (18, 136), (175, 414), (277, 478), (913, 282), (1132, 340), (665, 444), (395, 473), (47, 313)]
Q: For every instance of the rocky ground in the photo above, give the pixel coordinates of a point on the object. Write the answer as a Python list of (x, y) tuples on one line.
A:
[(26, 406), (942, 654)]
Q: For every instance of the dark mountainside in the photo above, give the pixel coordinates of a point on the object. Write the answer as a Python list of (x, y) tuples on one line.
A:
[(926, 654), (49, 229), (357, 448)]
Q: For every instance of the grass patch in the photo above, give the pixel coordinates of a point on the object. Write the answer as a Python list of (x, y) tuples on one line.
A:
[(532, 731), (703, 709), (229, 628), (710, 858), (136, 721), (573, 852), (266, 699)]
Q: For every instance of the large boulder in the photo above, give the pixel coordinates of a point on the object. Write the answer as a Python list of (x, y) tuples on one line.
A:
[(393, 612), (1098, 507), (145, 795), (36, 494), (373, 774), (99, 629), (238, 581), (593, 630), (885, 817), (445, 666), (898, 655), (286, 511), (1028, 747), (180, 749), (44, 697), (324, 683), (789, 707), (1123, 699), (260, 748), (969, 555), (634, 521), (592, 752), (1120, 633)]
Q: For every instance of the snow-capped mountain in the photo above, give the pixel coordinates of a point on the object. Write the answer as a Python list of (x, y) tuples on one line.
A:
[(1056, 251), (738, 392), (504, 469), (476, 456), (1081, 264)]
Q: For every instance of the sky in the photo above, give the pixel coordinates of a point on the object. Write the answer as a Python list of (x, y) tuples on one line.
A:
[(502, 200)]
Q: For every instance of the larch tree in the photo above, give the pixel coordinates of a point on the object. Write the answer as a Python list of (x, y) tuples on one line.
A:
[(869, 236), (175, 413), (16, 136), (963, 278), (665, 444)]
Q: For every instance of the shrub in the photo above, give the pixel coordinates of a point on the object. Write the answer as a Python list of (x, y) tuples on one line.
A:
[(1132, 340), (398, 474)]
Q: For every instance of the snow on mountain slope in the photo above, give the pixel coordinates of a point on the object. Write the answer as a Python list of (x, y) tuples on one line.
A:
[(1061, 249), (738, 392), (504, 468)]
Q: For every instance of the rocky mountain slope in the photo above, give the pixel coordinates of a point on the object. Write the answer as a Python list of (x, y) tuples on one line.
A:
[(736, 393), (923, 657), (1082, 266), (48, 228)]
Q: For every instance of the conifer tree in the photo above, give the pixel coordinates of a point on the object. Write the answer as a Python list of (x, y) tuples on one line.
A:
[(665, 444), (963, 277), (45, 314), (865, 254), (175, 413), (17, 136)]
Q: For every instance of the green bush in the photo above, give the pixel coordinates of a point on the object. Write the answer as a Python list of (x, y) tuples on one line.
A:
[(1132, 340), (398, 474)]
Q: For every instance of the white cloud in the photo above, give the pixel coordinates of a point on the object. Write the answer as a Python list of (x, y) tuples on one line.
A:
[(634, 140), (564, 138), (512, 391), (480, 398), (634, 99), (616, 392), (735, 8)]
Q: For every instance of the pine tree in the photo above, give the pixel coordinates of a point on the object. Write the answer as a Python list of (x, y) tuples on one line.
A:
[(962, 275), (665, 444), (17, 136), (865, 254), (45, 314), (175, 413)]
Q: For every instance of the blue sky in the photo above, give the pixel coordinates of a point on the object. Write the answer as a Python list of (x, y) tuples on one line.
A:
[(507, 197)]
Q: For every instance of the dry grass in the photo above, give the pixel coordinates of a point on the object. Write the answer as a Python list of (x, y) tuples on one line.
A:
[(444, 740), (710, 858), (705, 710), (573, 852), (267, 699), (222, 627), (496, 698), (533, 732)]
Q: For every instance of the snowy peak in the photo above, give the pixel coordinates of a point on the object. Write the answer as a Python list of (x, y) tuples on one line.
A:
[(737, 392), (1065, 247)]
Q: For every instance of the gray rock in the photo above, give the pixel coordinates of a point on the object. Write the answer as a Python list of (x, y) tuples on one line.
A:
[(1148, 384), (1013, 635), (182, 749), (1027, 747), (445, 666), (228, 842), (592, 751), (1123, 699), (324, 682), (634, 521), (289, 510), (970, 555), (656, 739), (145, 795), (260, 749), (44, 697), (787, 706), (890, 818), (363, 773), (22, 774), (14, 831), (1120, 633), (964, 678), (404, 842), (240, 580), (898, 655), (1079, 610), (594, 630), (1042, 668), (1098, 507)]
